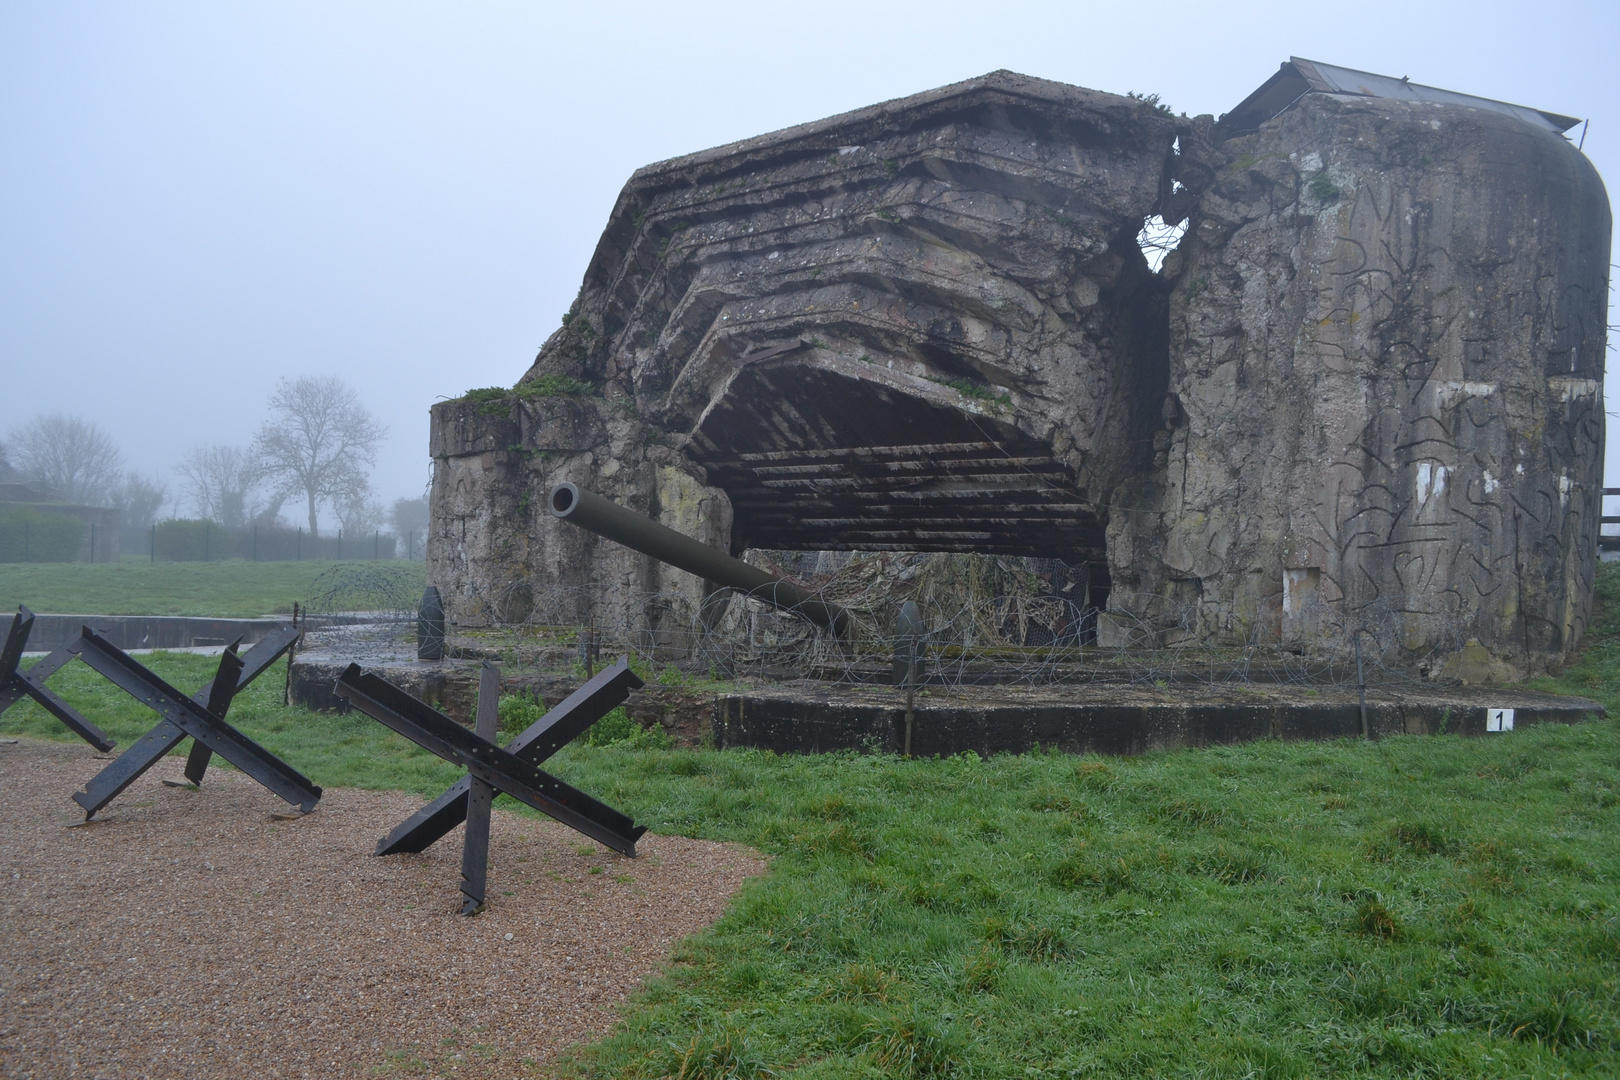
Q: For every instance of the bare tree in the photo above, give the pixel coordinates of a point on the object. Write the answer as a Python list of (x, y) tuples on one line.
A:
[(68, 457), (219, 481), (7, 471), (139, 498), (358, 513), (320, 442)]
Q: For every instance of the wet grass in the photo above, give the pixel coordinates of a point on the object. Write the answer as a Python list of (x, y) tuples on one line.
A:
[(1418, 906), (235, 588)]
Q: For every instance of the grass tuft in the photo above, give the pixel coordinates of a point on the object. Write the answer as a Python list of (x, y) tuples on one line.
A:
[(1374, 920)]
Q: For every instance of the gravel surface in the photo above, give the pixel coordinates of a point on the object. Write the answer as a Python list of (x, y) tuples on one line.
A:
[(192, 935)]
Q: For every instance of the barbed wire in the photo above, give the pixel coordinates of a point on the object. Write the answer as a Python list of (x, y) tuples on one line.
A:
[(991, 620), (364, 609)]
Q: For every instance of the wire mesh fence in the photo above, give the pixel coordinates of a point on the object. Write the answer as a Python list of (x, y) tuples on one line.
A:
[(990, 620)]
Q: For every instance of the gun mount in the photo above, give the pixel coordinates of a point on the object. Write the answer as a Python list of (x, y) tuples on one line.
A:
[(591, 512)]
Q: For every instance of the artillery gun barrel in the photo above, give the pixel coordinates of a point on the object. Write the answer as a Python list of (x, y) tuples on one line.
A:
[(591, 512)]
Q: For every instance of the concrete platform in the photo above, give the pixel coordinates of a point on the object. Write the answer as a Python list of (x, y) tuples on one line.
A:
[(1112, 718), (1099, 717)]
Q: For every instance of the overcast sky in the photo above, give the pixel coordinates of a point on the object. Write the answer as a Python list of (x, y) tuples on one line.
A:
[(198, 198)]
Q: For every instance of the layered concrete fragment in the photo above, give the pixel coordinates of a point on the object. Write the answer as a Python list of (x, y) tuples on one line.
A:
[(921, 326), (1368, 380)]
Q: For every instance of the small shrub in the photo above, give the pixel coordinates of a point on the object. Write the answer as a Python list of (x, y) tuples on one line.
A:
[(497, 400), (619, 728), (517, 712), (1152, 101), (616, 727), (1322, 189), (971, 389)]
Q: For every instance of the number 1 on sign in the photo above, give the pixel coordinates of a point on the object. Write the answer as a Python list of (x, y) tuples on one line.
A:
[(1498, 719)]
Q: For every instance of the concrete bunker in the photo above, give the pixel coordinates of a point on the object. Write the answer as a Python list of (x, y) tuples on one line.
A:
[(1362, 394)]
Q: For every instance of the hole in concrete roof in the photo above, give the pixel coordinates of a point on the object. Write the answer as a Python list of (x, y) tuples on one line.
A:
[(1158, 239)]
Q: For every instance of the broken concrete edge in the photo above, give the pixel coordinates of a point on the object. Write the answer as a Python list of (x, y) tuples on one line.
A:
[(898, 115)]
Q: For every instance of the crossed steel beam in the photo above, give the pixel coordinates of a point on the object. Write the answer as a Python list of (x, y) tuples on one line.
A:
[(16, 684), (491, 769), (200, 716)]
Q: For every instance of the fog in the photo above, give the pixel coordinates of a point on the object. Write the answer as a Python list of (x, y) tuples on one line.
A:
[(198, 199)]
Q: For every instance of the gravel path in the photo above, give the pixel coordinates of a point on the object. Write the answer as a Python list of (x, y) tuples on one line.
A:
[(191, 935)]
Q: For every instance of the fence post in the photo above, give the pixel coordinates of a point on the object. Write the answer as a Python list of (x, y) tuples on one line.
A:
[(255, 543), (376, 544), (298, 552), (25, 541), (340, 544), (92, 541), (208, 529), (153, 549)]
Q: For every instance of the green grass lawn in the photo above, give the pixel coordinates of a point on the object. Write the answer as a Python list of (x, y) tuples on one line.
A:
[(1417, 906), (234, 588)]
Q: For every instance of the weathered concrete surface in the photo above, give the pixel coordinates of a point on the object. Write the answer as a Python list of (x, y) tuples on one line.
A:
[(1368, 384), (1387, 346), (1110, 719), (975, 347)]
